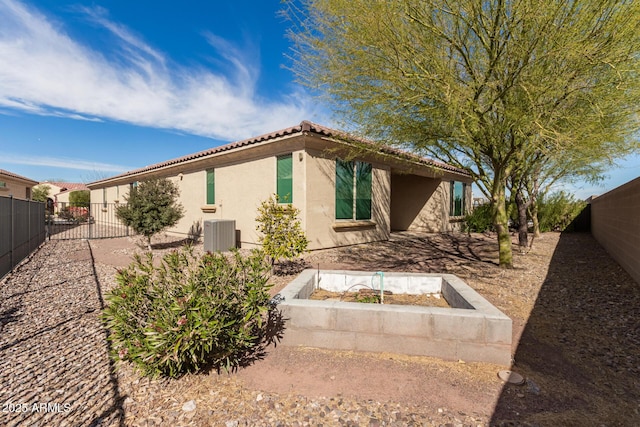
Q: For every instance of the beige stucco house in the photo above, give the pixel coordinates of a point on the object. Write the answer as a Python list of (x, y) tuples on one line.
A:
[(59, 192), (12, 184), (348, 190)]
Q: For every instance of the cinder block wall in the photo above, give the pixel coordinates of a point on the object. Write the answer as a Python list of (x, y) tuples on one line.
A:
[(615, 223)]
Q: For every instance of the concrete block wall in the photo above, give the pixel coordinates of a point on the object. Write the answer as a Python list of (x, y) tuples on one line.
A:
[(479, 333), (615, 224)]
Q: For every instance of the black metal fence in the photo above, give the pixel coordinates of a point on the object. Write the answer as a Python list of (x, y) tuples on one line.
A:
[(22, 230), (97, 221)]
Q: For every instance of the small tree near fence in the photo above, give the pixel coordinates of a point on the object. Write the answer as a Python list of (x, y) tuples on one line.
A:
[(282, 234), (40, 193), (151, 207), (80, 198)]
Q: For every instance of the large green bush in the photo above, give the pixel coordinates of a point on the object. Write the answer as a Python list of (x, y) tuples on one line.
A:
[(479, 220), (557, 211), (80, 198), (188, 313)]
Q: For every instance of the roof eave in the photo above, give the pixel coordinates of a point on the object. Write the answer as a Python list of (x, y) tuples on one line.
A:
[(304, 127)]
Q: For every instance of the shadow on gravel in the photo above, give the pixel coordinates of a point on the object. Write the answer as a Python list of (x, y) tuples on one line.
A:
[(271, 334), (53, 347), (430, 253), (580, 350), (12, 314), (116, 409)]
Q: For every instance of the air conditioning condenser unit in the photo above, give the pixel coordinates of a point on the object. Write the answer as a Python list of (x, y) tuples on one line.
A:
[(219, 235)]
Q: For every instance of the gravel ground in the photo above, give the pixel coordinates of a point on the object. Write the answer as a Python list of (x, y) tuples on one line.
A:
[(576, 341), (53, 349)]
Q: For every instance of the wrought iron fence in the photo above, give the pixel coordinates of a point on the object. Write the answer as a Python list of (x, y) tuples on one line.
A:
[(96, 221), (22, 230)]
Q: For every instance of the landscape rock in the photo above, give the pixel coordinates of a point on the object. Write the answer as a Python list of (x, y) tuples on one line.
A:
[(189, 406)]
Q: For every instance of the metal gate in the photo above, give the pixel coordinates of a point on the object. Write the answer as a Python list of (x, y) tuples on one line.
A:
[(97, 221)]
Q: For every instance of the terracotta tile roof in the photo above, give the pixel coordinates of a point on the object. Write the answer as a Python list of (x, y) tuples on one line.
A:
[(16, 176), (67, 186), (304, 126), (385, 148)]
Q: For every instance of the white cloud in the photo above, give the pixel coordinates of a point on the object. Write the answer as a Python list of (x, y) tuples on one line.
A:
[(44, 71), (63, 163)]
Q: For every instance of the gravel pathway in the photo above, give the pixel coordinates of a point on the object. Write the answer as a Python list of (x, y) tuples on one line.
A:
[(56, 370), (579, 350), (53, 348)]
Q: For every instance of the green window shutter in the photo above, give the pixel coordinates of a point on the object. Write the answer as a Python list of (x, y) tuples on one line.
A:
[(211, 187), (463, 198), (363, 190), (457, 199), (284, 185), (344, 189)]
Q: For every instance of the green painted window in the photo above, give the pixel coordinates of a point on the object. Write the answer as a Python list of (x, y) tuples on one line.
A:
[(457, 198), (211, 187), (344, 189), (285, 178), (353, 179), (363, 190)]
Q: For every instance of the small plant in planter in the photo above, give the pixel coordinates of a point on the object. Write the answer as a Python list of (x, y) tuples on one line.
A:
[(368, 298), (188, 313)]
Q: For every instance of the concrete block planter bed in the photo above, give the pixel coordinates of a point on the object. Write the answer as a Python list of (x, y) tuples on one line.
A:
[(471, 330)]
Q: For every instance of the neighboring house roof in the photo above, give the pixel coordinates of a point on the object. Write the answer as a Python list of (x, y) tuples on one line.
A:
[(66, 187), (304, 127), (8, 174)]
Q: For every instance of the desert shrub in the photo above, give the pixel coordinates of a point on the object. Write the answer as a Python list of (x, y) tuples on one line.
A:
[(282, 235), (188, 313), (479, 220), (557, 210)]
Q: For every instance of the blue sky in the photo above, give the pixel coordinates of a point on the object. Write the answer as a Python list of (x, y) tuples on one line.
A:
[(92, 89)]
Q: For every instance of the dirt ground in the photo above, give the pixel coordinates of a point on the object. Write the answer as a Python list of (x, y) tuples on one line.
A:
[(576, 342), (370, 296)]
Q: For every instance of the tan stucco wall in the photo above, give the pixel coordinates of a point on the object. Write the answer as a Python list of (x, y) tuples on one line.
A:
[(240, 186), (615, 223), (15, 188), (422, 204), (246, 176), (239, 189), (115, 193), (323, 231), (418, 203)]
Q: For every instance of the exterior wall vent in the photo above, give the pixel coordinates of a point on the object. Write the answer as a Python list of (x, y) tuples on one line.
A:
[(219, 235)]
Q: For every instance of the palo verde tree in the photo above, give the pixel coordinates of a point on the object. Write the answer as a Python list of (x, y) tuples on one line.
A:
[(482, 85), (538, 174), (151, 207)]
